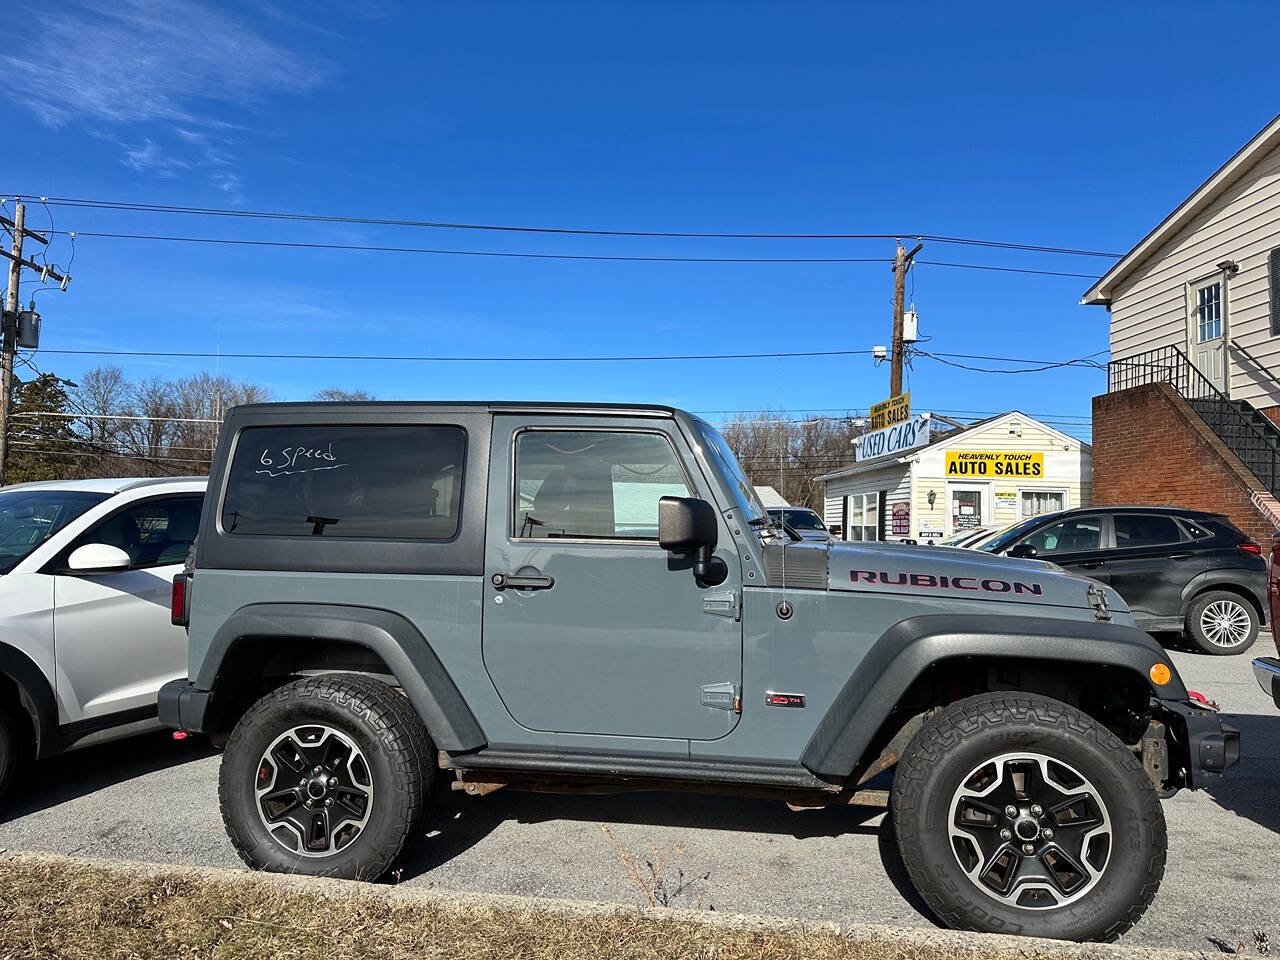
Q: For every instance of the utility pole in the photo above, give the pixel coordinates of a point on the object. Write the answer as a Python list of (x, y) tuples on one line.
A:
[(901, 264), (10, 317), (10, 335)]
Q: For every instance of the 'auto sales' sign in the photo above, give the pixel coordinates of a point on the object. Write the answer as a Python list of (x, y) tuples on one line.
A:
[(898, 438)]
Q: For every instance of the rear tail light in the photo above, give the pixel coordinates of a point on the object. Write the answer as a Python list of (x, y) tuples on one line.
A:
[(1250, 547), (178, 599)]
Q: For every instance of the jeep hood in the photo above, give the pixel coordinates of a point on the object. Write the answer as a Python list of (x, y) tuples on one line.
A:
[(953, 572)]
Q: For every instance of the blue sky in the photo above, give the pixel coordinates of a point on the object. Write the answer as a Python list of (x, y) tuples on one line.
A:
[(1070, 125)]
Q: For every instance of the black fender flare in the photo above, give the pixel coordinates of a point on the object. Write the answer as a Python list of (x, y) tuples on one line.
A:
[(398, 642), (910, 646), (1224, 578), (35, 696)]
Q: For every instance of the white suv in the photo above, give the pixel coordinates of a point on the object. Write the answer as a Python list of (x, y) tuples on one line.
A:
[(85, 634)]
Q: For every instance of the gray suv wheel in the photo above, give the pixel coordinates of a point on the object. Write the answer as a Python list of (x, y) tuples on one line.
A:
[(327, 775), (1020, 814)]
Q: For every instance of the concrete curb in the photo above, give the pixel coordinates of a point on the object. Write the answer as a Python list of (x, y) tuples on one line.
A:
[(954, 943)]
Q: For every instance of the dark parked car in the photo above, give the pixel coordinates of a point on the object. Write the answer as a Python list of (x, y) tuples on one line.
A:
[(1267, 669), (1177, 569), (805, 522)]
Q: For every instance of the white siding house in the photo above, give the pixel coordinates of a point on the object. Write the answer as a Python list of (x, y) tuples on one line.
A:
[(1205, 279), (934, 500)]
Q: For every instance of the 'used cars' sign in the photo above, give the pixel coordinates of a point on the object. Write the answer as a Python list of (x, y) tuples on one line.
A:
[(898, 438), (994, 463)]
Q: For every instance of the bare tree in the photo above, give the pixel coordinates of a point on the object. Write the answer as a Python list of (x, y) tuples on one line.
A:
[(790, 455), (340, 393)]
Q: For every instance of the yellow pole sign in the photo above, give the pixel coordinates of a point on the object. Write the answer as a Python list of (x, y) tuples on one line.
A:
[(888, 412), (994, 463)]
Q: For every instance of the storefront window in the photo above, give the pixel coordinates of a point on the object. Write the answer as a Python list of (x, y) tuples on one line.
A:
[(1032, 503)]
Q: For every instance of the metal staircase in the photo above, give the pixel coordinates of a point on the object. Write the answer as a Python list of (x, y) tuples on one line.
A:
[(1246, 432)]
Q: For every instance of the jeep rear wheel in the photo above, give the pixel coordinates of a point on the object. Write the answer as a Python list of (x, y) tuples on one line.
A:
[(1020, 814), (327, 775)]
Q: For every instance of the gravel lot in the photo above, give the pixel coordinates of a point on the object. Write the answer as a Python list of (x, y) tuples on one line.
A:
[(153, 799)]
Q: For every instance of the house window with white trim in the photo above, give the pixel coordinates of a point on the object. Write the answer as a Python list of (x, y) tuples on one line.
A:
[(1209, 312), (864, 516), (1032, 503)]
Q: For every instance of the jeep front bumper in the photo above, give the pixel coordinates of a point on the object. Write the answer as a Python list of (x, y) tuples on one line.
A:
[(182, 706), (1201, 746), (1267, 670)]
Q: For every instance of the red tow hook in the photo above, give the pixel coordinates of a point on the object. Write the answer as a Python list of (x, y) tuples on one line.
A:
[(1200, 698), (180, 735)]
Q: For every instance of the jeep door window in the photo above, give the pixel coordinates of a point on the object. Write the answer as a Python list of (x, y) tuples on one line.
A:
[(366, 481), (1074, 535), (592, 484), (29, 517), (154, 533)]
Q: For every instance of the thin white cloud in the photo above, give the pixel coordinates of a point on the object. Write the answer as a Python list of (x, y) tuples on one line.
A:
[(163, 65)]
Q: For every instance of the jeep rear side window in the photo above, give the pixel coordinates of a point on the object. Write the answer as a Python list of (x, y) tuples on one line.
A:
[(593, 485), (371, 481)]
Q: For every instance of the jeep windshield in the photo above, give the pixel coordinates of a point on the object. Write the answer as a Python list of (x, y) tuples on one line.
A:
[(30, 517), (722, 459)]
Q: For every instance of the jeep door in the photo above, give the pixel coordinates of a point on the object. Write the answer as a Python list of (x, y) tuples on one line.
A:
[(113, 641), (607, 634)]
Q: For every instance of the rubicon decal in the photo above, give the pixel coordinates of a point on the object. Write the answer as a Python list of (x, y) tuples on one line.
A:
[(940, 582)]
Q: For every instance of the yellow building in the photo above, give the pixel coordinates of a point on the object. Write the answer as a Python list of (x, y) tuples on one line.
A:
[(988, 474)]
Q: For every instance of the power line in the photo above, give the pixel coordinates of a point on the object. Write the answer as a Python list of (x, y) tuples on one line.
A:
[(581, 257), (1088, 362), (510, 254), (205, 355), (125, 206)]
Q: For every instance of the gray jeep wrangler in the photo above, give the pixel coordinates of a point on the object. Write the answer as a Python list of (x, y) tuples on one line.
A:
[(386, 596)]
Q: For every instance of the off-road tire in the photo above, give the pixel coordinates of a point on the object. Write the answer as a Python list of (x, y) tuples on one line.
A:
[(964, 735), (389, 733), (1195, 625)]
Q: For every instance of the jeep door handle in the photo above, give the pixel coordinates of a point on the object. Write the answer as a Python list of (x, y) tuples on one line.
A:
[(1181, 556), (503, 581), (1090, 564)]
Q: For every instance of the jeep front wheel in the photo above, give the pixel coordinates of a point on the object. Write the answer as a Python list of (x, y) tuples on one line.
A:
[(1020, 814), (327, 775)]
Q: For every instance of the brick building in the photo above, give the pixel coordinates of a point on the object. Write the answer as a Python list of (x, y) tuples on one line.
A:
[(1193, 397)]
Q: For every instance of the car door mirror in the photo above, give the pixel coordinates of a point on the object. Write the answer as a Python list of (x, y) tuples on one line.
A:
[(1024, 550), (690, 525), (98, 558)]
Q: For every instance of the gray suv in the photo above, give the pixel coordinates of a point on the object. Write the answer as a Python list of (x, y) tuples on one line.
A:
[(386, 596)]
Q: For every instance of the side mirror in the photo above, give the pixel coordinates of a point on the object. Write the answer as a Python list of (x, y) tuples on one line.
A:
[(689, 525), (1023, 550), (834, 529), (98, 558)]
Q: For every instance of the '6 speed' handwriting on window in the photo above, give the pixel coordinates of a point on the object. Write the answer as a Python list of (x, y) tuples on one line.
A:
[(292, 460)]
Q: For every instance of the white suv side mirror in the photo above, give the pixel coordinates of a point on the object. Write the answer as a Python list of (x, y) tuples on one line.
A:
[(98, 558)]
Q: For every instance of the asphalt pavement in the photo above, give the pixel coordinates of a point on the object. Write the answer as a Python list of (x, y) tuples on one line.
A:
[(154, 799)]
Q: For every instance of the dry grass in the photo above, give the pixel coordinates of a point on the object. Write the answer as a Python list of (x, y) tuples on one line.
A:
[(52, 907)]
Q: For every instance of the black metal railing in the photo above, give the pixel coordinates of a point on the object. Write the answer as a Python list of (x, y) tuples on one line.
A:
[(1248, 434)]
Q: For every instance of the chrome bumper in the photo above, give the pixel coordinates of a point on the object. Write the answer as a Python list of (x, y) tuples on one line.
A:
[(1267, 670)]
